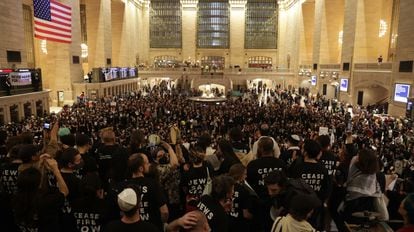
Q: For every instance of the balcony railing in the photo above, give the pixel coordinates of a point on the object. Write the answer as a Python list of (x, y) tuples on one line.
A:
[(373, 66)]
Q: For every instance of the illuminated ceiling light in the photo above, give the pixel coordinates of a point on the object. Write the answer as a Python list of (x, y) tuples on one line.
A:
[(382, 28), (340, 37), (84, 50), (43, 46)]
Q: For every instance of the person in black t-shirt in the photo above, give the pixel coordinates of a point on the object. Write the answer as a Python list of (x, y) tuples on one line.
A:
[(194, 178), (83, 145), (316, 176), (328, 158), (236, 137), (293, 152), (8, 187), (129, 203), (258, 169), (71, 161), (112, 159), (225, 151), (216, 205), (153, 207), (90, 210), (37, 209), (240, 214)]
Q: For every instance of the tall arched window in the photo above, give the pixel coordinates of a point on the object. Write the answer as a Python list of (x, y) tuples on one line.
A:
[(261, 24), (213, 24), (165, 24)]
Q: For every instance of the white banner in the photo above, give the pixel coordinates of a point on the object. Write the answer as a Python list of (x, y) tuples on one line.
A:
[(20, 78)]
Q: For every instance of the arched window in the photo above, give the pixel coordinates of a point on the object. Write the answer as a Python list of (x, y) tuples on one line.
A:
[(260, 62)]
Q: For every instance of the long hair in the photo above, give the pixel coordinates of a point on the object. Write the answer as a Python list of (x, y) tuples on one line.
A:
[(367, 161), (226, 148), (24, 202)]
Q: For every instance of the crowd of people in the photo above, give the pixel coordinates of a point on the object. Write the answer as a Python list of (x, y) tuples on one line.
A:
[(153, 160)]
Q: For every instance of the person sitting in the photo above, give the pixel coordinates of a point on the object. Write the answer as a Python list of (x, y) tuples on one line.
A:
[(298, 214), (129, 202)]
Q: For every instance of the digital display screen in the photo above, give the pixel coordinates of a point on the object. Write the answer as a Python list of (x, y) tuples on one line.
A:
[(401, 92), (344, 85), (313, 80)]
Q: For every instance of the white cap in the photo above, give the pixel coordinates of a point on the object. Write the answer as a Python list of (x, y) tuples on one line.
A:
[(127, 199), (295, 137)]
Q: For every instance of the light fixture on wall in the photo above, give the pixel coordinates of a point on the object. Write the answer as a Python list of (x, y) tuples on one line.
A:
[(43, 46), (382, 28), (84, 50)]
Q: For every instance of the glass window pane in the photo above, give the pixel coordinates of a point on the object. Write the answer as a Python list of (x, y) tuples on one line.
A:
[(261, 24), (213, 24), (165, 24)]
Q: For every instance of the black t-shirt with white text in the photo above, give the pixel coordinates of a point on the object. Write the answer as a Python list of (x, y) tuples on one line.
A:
[(8, 181), (195, 179), (90, 214), (316, 176), (151, 199), (241, 199), (215, 214), (258, 169), (330, 161)]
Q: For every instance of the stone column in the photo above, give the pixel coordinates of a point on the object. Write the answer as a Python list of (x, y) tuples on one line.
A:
[(237, 28), (98, 20), (189, 29), (307, 33), (118, 25), (328, 25), (405, 45)]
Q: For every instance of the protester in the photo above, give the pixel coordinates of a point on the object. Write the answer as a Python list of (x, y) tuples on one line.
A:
[(128, 202)]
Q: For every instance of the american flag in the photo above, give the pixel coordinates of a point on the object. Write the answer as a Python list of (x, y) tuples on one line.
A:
[(53, 21)]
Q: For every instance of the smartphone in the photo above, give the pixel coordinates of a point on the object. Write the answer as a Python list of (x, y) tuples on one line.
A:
[(46, 126)]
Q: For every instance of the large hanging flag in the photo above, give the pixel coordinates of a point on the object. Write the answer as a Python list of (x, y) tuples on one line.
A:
[(53, 21)]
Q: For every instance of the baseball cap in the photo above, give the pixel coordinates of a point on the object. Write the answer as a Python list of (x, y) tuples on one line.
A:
[(63, 131), (127, 199)]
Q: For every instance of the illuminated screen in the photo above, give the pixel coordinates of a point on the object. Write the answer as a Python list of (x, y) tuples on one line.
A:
[(401, 92), (313, 80), (344, 85)]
